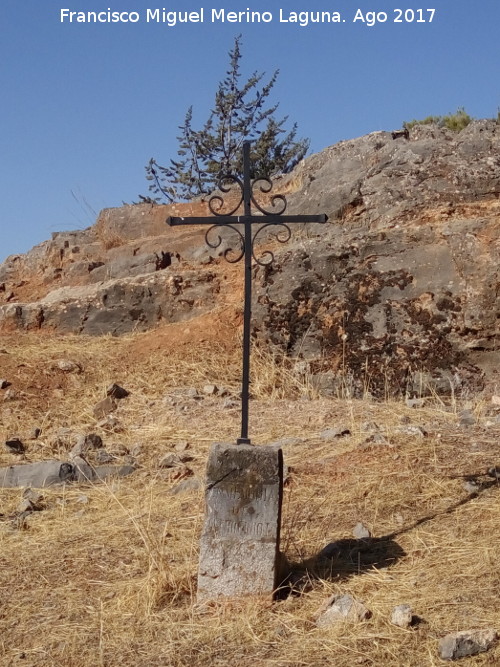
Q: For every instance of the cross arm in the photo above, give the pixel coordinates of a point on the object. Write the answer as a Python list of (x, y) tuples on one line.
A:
[(242, 219)]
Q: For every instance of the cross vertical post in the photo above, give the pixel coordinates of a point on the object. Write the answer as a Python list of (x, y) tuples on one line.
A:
[(247, 311), (247, 239)]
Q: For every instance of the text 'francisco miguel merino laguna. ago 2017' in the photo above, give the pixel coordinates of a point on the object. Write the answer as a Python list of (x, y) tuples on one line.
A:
[(202, 15)]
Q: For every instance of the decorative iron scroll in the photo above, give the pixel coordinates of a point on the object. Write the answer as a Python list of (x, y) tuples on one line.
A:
[(218, 242), (217, 206), (216, 202)]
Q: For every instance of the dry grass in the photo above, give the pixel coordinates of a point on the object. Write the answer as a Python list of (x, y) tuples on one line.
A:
[(106, 234), (106, 575)]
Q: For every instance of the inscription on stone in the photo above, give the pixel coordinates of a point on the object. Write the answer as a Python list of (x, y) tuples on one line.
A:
[(239, 552)]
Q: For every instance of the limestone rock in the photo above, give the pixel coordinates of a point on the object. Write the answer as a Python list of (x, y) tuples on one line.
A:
[(402, 616), (37, 475), (468, 642), (342, 608), (84, 444), (103, 457), (68, 366), (361, 532), (115, 306)]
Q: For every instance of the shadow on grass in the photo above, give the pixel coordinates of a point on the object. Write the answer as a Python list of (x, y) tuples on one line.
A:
[(345, 558)]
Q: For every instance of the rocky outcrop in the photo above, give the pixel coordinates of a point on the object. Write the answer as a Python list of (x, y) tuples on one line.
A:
[(117, 306), (399, 292), (389, 311)]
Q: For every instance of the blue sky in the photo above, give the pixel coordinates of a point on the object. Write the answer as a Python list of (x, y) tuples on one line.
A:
[(84, 106)]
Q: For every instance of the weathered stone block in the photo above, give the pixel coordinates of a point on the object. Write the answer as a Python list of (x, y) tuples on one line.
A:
[(36, 475), (239, 552)]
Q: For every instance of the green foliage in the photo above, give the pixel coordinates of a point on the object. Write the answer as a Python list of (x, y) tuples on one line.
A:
[(239, 113), (454, 121)]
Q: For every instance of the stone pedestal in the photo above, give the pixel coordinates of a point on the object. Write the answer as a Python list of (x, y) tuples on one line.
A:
[(239, 551)]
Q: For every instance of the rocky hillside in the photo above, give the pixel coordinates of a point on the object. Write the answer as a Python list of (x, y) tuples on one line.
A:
[(397, 293)]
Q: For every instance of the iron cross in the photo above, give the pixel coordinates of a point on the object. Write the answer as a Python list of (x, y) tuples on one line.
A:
[(247, 239)]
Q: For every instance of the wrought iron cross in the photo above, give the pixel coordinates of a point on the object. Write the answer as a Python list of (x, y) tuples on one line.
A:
[(247, 241)]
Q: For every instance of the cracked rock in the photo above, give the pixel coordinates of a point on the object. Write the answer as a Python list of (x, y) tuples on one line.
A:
[(469, 642)]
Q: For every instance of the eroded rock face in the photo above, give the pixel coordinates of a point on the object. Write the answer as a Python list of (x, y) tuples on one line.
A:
[(117, 306), (398, 292), (382, 308)]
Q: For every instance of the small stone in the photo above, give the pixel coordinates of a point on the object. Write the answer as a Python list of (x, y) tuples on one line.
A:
[(118, 450), (35, 433), (415, 402), (402, 616), (468, 642), (414, 431), (376, 439), (68, 366), (192, 392), (103, 456), (104, 407), (210, 389), (83, 499), (33, 496), (169, 461), (370, 426), (4, 384), (15, 446), (495, 400), (136, 450), (10, 395), (494, 472), (182, 446), (471, 486), (361, 532), (230, 404), (115, 391), (109, 423), (84, 444), (333, 433), (342, 608), (25, 506)]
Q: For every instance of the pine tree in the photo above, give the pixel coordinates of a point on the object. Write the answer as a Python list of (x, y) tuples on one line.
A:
[(239, 113)]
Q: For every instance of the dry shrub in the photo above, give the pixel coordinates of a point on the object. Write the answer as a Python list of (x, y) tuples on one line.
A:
[(106, 234)]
